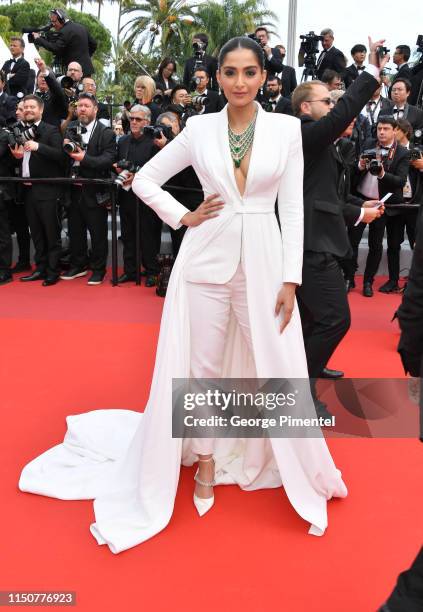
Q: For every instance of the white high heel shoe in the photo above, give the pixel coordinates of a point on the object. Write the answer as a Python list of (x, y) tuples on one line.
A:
[(203, 504)]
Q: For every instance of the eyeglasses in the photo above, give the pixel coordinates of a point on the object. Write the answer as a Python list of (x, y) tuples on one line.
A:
[(327, 101), (137, 119)]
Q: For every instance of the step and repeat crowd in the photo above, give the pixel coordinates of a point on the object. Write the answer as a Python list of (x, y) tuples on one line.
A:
[(53, 126)]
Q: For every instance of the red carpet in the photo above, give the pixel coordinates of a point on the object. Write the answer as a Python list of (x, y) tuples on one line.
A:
[(73, 348)]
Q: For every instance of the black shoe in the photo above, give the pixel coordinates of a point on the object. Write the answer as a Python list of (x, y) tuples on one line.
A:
[(22, 266), (328, 373), (390, 286), (125, 278), (322, 410), (74, 273), (349, 284), (5, 277), (50, 280), (35, 276), (367, 290), (151, 281), (96, 278)]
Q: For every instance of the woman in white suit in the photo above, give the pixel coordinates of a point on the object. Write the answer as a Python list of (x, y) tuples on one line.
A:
[(230, 311)]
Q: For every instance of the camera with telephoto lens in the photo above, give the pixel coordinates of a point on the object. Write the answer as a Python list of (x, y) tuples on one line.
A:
[(74, 135), (127, 167), (67, 82), (19, 134), (156, 131), (199, 48), (200, 100), (374, 160), (158, 99), (45, 31), (416, 145)]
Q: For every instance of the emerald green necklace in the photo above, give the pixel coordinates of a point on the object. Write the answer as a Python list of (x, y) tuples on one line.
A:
[(239, 144)]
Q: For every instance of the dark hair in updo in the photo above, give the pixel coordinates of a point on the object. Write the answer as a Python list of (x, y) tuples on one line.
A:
[(242, 42)]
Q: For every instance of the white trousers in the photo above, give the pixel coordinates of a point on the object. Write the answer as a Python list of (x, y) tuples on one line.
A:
[(210, 309)]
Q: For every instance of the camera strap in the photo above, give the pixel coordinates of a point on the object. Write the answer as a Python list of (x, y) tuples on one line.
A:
[(388, 159)]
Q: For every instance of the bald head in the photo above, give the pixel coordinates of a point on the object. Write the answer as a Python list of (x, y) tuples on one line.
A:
[(74, 71)]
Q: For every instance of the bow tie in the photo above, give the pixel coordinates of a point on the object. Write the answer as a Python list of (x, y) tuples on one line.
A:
[(361, 68), (398, 110)]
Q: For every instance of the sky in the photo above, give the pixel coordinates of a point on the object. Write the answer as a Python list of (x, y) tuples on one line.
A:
[(350, 25)]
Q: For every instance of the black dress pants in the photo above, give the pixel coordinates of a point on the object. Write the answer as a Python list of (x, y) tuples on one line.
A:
[(150, 228), (324, 309), (45, 224), (5, 239), (19, 225), (396, 225), (84, 215), (375, 241)]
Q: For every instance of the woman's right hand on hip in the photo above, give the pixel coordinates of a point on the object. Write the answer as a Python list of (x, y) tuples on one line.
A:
[(206, 210)]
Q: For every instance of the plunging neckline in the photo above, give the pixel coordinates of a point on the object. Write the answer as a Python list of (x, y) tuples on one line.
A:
[(250, 151)]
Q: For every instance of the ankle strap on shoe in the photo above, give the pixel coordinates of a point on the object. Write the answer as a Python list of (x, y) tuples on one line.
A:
[(206, 460)]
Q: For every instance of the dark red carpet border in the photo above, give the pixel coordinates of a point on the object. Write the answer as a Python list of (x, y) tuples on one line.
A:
[(72, 348)]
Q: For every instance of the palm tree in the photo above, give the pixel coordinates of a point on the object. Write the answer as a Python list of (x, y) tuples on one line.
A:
[(230, 18), (156, 18)]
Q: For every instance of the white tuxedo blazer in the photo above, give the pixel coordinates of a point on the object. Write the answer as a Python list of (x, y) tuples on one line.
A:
[(275, 171)]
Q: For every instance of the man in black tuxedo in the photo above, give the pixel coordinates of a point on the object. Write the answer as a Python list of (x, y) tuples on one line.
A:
[(88, 211), (390, 177), (42, 157), (275, 101), (400, 91), (73, 43), (7, 103), (322, 297), (52, 94), (202, 79), (199, 43), (330, 57), (139, 149), (358, 53), (273, 57), (401, 56), (377, 105), (7, 192), (17, 69), (90, 86)]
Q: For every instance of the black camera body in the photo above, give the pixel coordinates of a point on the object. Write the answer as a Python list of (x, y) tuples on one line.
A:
[(416, 145), (193, 84), (199, 48), (19, 134), (372, 157), (382, 51), (310, 43), (67, 82), (74, 135), (45, 31), (127, 167), (200, 100), (419, 43), (254, 37), (156, 131)]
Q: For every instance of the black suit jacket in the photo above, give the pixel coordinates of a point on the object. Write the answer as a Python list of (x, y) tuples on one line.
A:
[(19, 81), (98, 160), (215, 102), (284, 106), (413, 114), (333, 59), (274, 65), (160, 84), (73, 44), (55, 101), (325, 212), (410, 313), (350, 75), (403, 73), (8, 108), (7, 164), (289, 80), (208, 62), (396, 172), (49, 161)]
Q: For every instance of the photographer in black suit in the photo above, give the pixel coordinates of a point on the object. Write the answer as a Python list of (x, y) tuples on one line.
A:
[(201, 79), (17, 69), (385, 173), (401, 56), (273, 57), (52, 94), (358, 53), (73, 42), (138, 148), (42, 157), (93, 151), (200, 42), (322, 297), (330, 57), (400, 92), (7, 193)]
